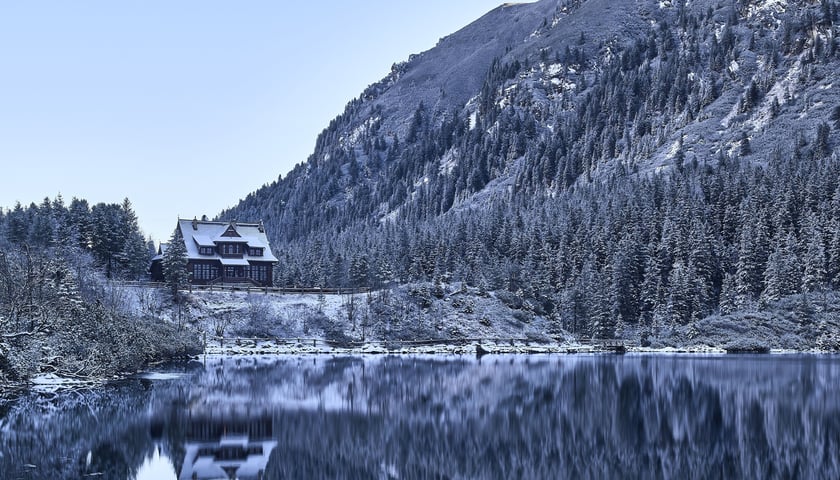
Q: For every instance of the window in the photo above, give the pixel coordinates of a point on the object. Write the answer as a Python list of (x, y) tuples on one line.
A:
[(205, 250), (205, 272), (255, 252), (231, 249), (257, 272), (233, 272)]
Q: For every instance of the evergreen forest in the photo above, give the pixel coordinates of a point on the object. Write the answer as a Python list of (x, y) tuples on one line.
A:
[(678, 163)]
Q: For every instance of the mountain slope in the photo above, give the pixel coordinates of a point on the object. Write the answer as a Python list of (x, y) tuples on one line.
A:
[(573, 147)]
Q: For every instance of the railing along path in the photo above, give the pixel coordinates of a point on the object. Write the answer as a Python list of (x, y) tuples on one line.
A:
[(246, 287)]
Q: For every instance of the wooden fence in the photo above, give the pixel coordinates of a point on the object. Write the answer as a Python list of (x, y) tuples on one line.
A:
[(246, 287)]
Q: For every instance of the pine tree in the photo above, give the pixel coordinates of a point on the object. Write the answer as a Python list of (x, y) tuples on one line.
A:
[(744, 147), (704, 259), (16, 225), (681, 297), (108, 235), (652, 290), (63, 233), (728, 295), (752, 256), (42, 231), (833, 273), (774, 277), (359, 271), (822, 147), (782, 277), (174, 264), (627, 278), (80, 222), (599, 306), (814, 274), (134, 257)]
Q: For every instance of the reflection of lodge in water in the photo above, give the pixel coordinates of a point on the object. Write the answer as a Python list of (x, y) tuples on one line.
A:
[(234, 446)]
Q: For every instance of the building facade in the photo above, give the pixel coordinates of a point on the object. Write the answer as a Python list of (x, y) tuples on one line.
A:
[(223, 252)]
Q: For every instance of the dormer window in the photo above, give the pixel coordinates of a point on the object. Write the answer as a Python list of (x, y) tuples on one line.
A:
[(205, 251), (255, 252), (231, 249)]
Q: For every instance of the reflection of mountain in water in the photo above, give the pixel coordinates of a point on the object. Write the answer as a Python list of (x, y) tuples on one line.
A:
[(504, 417)]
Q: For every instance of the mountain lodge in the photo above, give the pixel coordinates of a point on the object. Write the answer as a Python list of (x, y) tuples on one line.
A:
[(222, 252)]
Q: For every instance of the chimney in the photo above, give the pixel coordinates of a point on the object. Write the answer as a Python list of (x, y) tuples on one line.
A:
[(195, 223)]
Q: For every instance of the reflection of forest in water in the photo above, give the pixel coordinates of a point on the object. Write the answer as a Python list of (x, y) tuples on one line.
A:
[(404, 417)]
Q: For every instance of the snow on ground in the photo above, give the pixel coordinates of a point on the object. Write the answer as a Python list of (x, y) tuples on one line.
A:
[(727, 120), (431, 319), (268, 347), (771, 6), (448, 162), (51, 383), (250, 348), (416, 312), (700, 349), (358, 132), (241, 308), (555, 69), (781, 91)]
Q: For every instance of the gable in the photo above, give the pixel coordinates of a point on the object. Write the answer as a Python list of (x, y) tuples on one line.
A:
[(231, 232)]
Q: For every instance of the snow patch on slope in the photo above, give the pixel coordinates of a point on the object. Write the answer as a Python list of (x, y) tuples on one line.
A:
[(782, 92), (767, 6), (727, 120), (448, 162), (358, 132)]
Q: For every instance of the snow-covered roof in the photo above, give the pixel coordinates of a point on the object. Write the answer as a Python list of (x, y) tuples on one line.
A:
[(203, 241), (161, 250), (256, 243), (221, 239), (234, 262), (198, 233)]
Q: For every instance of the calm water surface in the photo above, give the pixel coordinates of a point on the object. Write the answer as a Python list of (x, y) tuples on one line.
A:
[(426, 417)]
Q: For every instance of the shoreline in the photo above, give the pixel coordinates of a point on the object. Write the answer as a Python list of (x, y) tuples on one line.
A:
[(51, 383), (268, 347)]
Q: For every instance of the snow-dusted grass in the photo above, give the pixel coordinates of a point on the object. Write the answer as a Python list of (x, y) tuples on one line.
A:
[(455, 319), (417, 312)]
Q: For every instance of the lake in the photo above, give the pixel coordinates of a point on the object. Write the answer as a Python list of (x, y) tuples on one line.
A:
[(380, 417)]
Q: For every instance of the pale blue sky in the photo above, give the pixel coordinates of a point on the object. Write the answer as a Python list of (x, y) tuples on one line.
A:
[(185, 106)]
